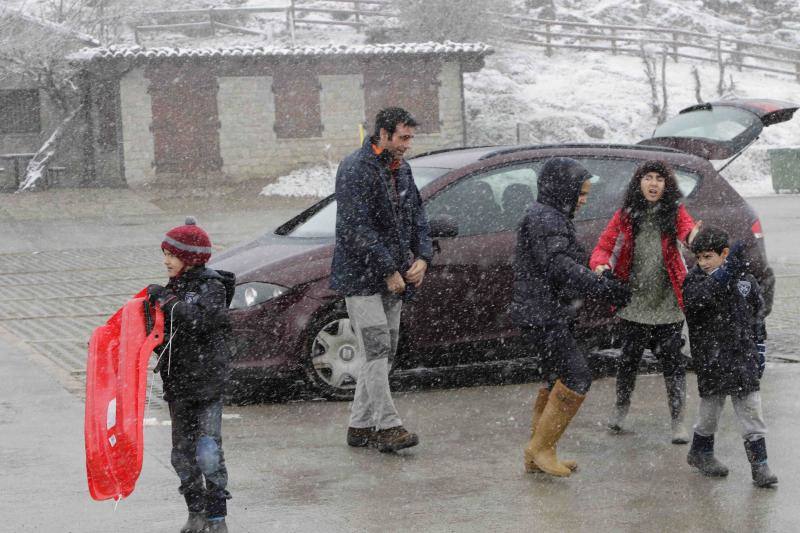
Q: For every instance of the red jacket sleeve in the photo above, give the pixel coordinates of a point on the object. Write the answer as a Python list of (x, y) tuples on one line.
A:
[(601, 255), (684, 224)]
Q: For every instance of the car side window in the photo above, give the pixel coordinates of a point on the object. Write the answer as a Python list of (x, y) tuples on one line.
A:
[(610, 179), (687, 181), (488, 202)]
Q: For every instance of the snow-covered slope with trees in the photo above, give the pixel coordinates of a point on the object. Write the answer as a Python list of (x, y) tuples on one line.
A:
[(522, 94)]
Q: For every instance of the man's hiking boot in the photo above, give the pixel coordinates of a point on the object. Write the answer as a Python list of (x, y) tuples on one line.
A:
[(393, 439), (360, 437)]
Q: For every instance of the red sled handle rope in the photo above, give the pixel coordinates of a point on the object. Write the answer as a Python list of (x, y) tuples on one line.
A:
[(116, 383)]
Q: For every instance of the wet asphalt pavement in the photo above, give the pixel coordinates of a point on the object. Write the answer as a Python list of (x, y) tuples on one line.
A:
[(289, 466)]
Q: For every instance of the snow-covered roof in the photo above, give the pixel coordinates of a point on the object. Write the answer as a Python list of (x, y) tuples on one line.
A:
[(138, 52)]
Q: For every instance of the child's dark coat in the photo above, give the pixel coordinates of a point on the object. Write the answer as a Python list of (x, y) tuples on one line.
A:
[(725, 323)]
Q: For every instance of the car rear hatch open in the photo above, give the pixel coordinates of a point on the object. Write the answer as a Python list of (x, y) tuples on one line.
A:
[(720, 130)]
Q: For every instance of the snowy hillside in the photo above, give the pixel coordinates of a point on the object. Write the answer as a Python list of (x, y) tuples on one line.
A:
[(548, 100), (607, 100), (522, 95)]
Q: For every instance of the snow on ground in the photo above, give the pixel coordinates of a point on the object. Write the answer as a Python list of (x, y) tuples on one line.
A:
[(312, 181)]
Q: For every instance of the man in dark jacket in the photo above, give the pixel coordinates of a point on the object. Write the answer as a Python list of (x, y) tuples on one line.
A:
[(725, 314), (194, 368), (550, 281), (382, 251)]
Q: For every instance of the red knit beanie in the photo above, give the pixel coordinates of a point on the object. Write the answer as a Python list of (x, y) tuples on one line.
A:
[(189, 243)]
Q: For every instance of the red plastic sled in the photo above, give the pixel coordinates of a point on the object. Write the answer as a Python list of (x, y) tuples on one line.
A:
[(116, 383)]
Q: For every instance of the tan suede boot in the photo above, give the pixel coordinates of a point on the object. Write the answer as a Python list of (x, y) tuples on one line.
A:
[(562, 405), (538, 408)]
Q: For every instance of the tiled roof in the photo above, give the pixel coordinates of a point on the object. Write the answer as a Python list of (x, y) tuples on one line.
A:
[(137, 52)]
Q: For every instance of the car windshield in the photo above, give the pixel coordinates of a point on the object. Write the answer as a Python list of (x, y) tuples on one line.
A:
[(323, 222)]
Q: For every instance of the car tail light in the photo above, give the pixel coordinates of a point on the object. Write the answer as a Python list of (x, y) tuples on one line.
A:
[(756, 229)]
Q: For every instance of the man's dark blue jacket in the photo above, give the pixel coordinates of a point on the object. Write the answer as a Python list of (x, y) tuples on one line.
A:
[(376, 237)]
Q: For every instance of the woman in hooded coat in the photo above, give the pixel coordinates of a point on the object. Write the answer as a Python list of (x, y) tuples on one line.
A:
[(550, 281)]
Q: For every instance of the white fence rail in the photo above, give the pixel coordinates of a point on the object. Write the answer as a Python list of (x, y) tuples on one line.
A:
[(740, 54)]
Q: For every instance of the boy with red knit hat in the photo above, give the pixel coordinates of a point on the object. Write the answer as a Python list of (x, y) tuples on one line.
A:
[(194, 368)]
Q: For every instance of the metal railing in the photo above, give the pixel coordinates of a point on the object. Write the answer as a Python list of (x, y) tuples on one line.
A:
[(618, 39)]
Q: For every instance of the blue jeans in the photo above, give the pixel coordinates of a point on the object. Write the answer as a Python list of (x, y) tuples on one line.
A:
[(197, 455)]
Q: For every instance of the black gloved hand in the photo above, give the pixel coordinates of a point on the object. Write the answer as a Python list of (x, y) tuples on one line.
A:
[(609, 274), (617, 292), (156, 293), (736, 263), (165, 298)]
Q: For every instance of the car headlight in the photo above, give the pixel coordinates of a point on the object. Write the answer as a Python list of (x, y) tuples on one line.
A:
[(254, 293)]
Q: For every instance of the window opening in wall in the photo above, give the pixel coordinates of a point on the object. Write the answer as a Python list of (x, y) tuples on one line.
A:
[(20, 111)]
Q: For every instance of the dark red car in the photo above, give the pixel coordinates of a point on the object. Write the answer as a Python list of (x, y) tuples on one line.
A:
[(288, 322)]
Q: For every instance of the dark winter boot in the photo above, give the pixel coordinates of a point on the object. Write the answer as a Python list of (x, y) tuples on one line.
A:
[(196, 523), (701, 456), (217, 525), (393, 439), (676, 395), (757, 455), (627, 366), (360, 437), (617, 417)]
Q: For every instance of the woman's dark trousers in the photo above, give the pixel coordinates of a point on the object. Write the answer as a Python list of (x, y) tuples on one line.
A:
[(665, 342)]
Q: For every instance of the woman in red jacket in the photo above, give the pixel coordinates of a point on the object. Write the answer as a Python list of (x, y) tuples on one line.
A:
[(640, 245)]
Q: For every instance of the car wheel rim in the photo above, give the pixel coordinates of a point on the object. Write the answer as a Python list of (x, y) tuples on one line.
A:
[(336, 356)]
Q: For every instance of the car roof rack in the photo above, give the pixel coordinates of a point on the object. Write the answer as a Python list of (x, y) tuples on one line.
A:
[(522, 148)]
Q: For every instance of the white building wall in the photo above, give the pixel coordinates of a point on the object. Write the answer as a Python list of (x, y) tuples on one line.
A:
[(247, 116), (137, 139), (451, 125), (248, 143)]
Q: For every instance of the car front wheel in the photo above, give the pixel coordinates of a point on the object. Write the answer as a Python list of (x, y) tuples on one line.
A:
[(334, 357)]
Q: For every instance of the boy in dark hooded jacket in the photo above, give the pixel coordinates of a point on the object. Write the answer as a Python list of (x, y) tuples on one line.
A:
[(724, 311), (550, 281), (194, 368)]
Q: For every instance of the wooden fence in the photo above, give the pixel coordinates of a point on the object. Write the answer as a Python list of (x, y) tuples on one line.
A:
[(352, 13), (555, 34)]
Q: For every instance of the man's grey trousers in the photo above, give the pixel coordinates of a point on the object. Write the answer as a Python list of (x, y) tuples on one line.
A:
[(376, 322)]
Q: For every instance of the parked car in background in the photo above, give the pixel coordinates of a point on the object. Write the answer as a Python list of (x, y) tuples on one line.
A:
[(288, 322)]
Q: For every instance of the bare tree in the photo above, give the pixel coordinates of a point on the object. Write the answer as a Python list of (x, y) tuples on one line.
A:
[(658, 103), (103, 19), (35, 50)]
